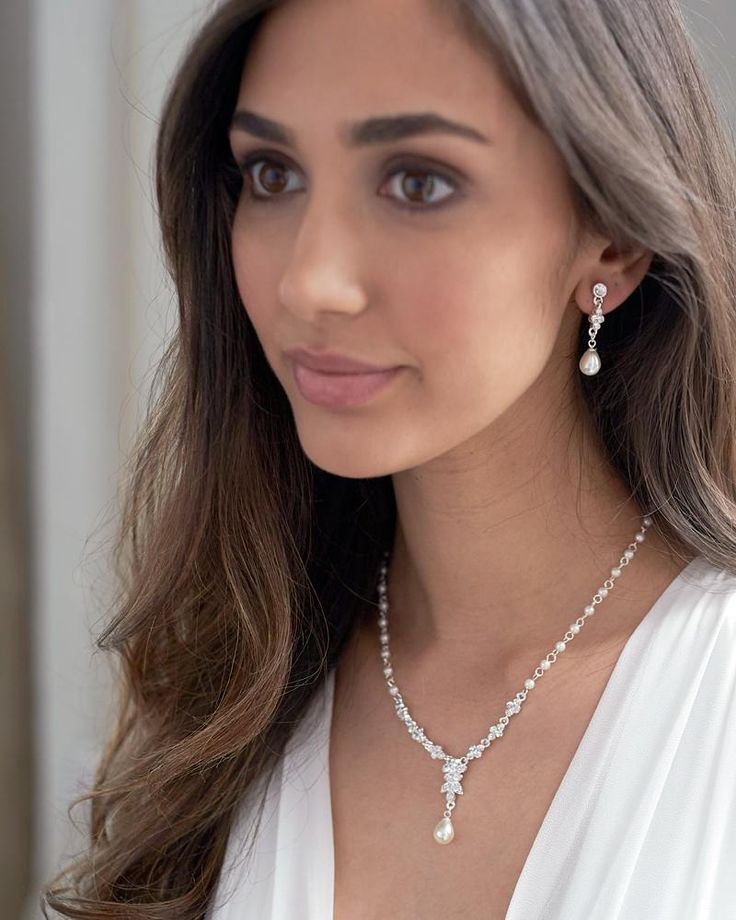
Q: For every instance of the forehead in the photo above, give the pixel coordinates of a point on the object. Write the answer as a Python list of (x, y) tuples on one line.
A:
[(329, 61)]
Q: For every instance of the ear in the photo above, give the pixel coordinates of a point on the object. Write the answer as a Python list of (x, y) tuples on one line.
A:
[(621, 270)]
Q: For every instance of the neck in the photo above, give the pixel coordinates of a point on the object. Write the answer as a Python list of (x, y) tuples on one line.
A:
[(499, 548)]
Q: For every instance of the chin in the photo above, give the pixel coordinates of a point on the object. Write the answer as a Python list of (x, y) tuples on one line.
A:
[(341, 451), (348, 463)]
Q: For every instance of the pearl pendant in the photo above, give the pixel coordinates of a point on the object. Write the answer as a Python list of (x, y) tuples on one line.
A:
[(444, 832), (590, 363)]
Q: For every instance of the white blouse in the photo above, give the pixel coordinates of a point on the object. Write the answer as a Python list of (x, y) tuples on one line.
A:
[(641, 827)]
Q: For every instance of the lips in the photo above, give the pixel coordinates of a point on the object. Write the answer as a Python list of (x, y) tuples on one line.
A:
[(341, 391), (333, 363)]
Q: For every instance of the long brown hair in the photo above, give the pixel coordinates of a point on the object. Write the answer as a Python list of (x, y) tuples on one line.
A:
[(241, 566)]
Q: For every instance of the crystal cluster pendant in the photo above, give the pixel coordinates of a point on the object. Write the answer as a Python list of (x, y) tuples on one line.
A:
[(453, 768)]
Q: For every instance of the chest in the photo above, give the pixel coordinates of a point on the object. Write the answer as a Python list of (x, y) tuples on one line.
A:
[(386, 799)]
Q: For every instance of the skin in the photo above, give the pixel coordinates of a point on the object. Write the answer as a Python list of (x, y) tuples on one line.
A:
[(509, 515)]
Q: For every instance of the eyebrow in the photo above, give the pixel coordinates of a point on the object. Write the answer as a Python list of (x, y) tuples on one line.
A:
[(381, 130)]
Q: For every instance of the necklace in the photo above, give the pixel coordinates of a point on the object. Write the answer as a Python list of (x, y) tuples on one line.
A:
[(453, 768)]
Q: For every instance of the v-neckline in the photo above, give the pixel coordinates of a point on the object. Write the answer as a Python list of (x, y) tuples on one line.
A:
[(640, 638)]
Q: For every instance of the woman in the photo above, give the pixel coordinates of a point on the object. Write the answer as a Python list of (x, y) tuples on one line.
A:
[(520, 216)]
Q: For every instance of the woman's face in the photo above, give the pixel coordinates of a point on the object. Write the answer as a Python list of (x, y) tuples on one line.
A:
[(448, 254)]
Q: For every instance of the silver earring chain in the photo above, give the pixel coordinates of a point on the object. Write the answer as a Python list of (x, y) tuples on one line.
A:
[(453, 768)]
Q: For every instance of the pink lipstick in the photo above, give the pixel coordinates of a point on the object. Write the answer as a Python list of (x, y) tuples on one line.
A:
[(337, 381)]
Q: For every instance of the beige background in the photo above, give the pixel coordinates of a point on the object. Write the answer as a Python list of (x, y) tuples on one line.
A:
[(84, 308)]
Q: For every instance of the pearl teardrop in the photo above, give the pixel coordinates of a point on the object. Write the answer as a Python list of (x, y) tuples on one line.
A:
[(444, 832), (590, 363)]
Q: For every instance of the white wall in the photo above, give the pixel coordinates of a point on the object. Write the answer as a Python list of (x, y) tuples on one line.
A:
[(99, 313)]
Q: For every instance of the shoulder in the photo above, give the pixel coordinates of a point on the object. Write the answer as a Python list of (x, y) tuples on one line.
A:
[(690, 650), (703, 634), (686, 698), (708, 596)]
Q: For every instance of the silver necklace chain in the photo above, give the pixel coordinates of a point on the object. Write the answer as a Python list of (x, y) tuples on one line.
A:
[(453, 768)]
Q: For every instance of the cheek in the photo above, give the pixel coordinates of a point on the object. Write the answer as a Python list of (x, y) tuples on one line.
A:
[(256, 278), (475, 324)]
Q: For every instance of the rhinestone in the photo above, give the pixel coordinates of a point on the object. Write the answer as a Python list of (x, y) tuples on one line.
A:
[(600, 290)]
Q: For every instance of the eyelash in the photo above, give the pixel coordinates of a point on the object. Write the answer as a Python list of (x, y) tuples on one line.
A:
[(406, 166)]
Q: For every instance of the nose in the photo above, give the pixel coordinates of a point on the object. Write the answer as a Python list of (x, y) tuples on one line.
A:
[(322, 274)]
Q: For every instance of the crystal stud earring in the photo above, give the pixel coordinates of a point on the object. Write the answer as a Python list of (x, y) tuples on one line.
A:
[(590, 363)]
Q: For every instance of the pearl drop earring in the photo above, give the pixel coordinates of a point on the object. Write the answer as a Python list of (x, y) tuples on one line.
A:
[(590, 363)]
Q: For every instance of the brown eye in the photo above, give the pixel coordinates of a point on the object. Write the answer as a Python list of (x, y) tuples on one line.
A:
[(271, 178), (413, 185), (417, 186), (266, 181)]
